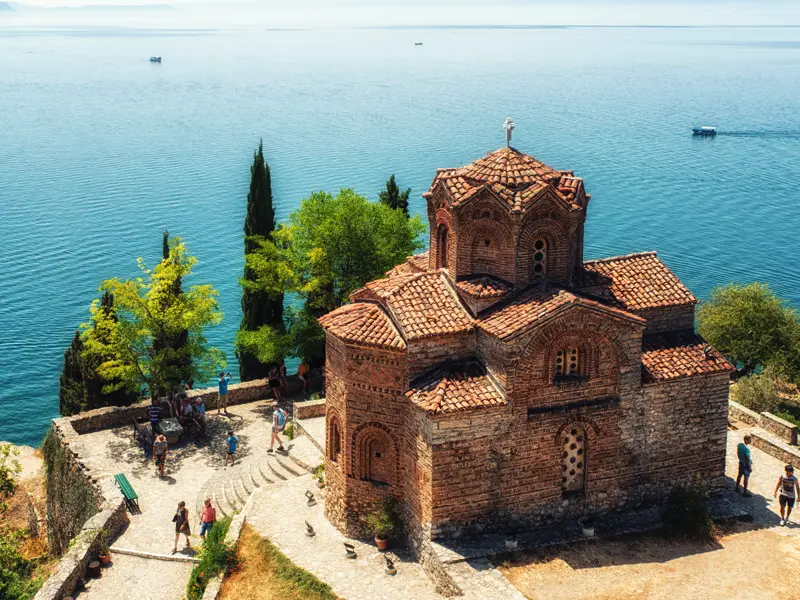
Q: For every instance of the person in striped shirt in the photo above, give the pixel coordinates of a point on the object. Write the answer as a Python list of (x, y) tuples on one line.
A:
[(154, 414)]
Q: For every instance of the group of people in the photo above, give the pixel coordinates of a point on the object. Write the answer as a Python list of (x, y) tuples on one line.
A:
[(787, 488)]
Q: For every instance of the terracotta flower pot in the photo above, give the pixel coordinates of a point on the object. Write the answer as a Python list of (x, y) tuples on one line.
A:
[(105, 559), (382, 544)]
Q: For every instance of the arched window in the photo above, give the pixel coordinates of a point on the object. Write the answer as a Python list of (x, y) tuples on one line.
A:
[(573, 460), (442, 244), (539, 258), (568, 363), (376, 456), (335, 446)]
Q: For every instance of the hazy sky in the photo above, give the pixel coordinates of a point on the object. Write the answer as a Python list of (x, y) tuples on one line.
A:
[(505, 12)]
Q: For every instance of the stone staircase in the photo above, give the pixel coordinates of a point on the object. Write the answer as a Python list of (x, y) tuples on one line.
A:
[(230, 488)]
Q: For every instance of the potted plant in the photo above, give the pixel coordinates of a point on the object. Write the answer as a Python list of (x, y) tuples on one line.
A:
[(383, 522), (103, 549), (319, 475)]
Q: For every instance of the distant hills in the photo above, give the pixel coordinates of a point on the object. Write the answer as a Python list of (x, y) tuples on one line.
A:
[(5, 7)]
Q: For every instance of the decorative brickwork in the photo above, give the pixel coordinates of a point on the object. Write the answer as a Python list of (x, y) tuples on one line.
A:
[(500, 381)]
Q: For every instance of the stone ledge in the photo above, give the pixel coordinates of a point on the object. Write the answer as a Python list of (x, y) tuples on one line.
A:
[(154, 555), (775, 447), (788, 432), (309, 409)]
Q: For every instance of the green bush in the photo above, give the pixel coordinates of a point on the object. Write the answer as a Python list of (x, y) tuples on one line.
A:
[(384, 521), (687, 513), (216, 558), (16, 572), (756, 392), (288, 431)]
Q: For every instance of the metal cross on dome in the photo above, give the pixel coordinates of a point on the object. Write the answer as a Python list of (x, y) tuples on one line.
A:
[(508, 125)]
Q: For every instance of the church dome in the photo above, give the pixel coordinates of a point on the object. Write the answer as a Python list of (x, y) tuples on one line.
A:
[(511, 168)]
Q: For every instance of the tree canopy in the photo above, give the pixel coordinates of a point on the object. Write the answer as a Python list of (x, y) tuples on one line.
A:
[(124, 342), (393, 197), (331, 246), (753, 327)]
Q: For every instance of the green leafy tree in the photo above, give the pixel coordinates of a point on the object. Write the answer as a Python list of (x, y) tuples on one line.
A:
[(147, 309), (393, 197), (9, 471), (331, 246), (261, 307), (753, 327), (72, 387), (17, 580)]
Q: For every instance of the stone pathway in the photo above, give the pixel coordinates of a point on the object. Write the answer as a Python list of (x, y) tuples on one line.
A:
[(195, 470)]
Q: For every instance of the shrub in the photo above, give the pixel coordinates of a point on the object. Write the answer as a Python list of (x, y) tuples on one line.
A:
[(384, 520), (756, 392), (16, 572), (216, 557), (288, 431), (687, 513)]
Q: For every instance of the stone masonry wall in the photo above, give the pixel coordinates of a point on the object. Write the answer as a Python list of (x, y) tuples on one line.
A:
[(427, 353), (668, 318)]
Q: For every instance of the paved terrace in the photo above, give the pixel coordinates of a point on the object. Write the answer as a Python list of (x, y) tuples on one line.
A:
[(195, 469)]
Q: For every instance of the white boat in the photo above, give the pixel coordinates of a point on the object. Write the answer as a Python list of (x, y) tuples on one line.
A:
[(156, 59), (705, 130), (418, 43)]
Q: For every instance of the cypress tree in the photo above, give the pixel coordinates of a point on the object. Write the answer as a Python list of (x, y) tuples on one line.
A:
[(72, 389), (393, 197), (258, 308)]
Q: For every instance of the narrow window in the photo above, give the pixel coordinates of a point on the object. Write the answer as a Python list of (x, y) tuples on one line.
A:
[(573, 460), (539, 258), (442, 246), (336, 441)]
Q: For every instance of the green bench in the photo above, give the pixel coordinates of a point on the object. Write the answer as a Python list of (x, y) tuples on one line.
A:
[(131, 498)]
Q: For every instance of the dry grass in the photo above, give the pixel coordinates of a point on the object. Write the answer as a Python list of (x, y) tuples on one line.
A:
[(265, 574), (741, 565)]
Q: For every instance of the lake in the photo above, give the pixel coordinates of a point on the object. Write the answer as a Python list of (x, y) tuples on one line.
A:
[(100, 150)]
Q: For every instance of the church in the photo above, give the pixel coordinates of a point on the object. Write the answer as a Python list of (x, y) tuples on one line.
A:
[(500, 380)]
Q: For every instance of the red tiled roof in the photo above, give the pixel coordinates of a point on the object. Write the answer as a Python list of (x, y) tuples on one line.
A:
[(417, 263), (641, 281), (674, 356), (458, 388), (424, 306), (484, 286), (522, 312), (363, 323), (516, 178)]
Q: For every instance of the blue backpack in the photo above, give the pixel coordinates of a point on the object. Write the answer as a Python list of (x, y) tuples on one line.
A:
[(281, 418)]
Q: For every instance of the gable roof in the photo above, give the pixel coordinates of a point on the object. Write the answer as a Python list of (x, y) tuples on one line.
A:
[(515, 178), (536, 305), (363, 323), (641, 281), (484, 286), (416, 263), (682, 354), (422, 304), (455, 388)]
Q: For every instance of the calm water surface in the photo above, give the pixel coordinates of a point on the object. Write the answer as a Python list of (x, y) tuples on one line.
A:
[(100, 151)]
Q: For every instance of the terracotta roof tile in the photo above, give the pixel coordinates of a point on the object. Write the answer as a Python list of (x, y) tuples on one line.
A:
[(509, 319), (678, 355), (509, 167), (484, 286), (363, 323), (418, 263), (641, 281), (456, 388)]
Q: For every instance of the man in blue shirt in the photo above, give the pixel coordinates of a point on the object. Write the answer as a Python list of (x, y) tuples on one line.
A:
[(223, 392), (745, 465), (154, 414)]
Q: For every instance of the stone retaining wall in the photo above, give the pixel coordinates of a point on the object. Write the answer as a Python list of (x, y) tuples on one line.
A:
[(782, 429), (309, 409), (775, 447)]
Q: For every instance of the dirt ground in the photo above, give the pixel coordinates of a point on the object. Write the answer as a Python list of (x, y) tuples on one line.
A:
[(749, 561)]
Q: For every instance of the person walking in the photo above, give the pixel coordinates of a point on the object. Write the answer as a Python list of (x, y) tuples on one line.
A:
[(278, 423), (232, 442), (304, 374), (275, 382), (208, 516), (745, 465), (222, 403), (154, 415), (789, 489), (160, 449), (181, 520)]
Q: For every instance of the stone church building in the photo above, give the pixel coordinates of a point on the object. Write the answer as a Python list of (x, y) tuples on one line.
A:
[(500, 380)]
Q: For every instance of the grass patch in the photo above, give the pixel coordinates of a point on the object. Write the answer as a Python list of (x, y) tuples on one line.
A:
[(264, 573), (216, 557)]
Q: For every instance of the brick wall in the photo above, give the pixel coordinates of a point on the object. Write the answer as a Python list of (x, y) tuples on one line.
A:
[(668, 318), (426, 353)]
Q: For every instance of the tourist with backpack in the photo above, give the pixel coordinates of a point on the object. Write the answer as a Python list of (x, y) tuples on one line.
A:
[(278, 423), (789, 489)]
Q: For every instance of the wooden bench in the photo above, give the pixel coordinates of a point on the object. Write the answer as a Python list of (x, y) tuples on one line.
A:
[(144, 435), (131, 498)]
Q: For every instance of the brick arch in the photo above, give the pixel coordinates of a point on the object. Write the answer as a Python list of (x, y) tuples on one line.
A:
[(375, 454), (557, 239), (589, 426), (476, 256), (334, 443), (597, 354), (442, 220)]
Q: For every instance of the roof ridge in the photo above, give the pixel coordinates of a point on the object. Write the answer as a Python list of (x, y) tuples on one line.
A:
[(622, 257)]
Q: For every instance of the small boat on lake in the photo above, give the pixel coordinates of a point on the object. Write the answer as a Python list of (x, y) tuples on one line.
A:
[(155, 59), (705, 130), (418, 43)]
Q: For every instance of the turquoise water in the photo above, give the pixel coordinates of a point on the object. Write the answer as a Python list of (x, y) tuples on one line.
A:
[(101, 150)]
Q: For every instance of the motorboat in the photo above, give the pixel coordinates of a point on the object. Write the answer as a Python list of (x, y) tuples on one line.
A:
[(705, 130), (418, 43), (155, 59)]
